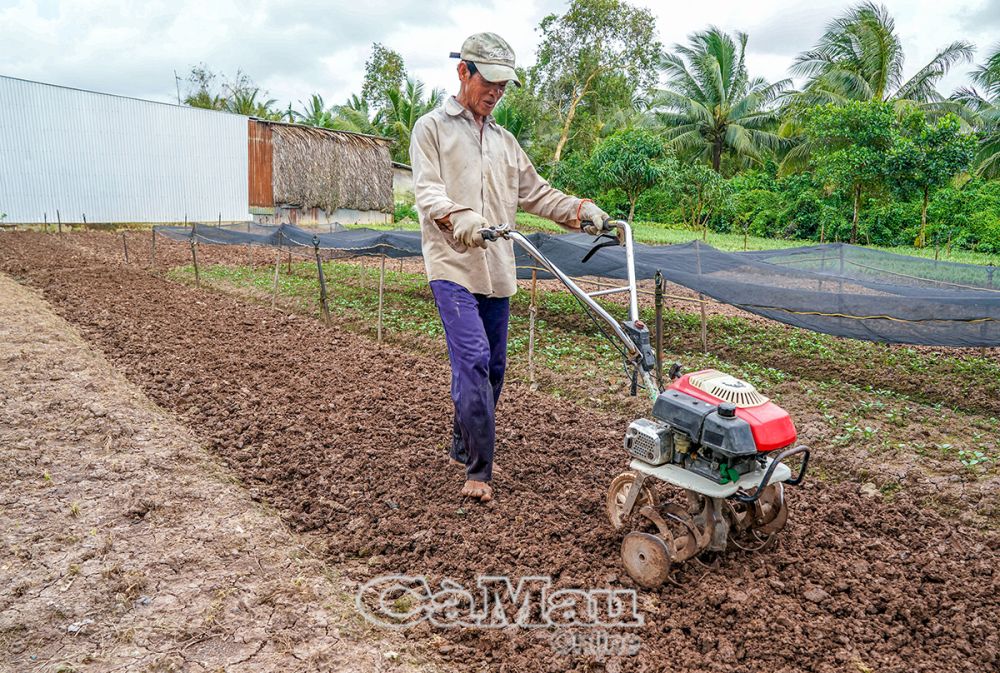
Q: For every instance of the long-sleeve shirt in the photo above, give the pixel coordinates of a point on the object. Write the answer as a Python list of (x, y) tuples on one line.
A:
[(455, 167)]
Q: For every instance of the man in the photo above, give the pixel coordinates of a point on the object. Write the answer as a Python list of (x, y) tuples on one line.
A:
[(469, 173)]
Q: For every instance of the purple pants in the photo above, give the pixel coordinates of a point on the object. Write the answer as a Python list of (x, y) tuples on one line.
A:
[(475, 328)]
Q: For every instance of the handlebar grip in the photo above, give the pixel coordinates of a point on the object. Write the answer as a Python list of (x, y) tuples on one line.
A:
[(603, 229), (489, 234)]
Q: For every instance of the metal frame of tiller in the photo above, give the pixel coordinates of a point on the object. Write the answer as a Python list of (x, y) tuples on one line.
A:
[(746, 513)]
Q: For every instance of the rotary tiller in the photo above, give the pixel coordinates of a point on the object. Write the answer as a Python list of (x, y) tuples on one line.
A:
[(711, 435)]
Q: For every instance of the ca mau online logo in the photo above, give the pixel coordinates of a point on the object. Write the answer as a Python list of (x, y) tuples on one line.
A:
[(496, 602)]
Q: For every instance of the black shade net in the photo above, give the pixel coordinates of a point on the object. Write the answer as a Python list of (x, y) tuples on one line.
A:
[(836, 288)]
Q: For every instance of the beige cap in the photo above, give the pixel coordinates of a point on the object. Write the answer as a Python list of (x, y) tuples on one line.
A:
[(492, 55)]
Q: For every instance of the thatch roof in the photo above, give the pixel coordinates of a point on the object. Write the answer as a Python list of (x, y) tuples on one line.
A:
[(331, 169)]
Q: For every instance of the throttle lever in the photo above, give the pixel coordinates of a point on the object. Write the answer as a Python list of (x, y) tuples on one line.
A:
[(495, 233)]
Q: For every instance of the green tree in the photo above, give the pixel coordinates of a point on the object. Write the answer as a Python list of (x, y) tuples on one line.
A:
[(238, 95), (354, 116), (519, 110), (983, 98), (850, 144), (246, 102), (702, 194), (631, 160), (927, 156), (201, 89), (405, 107), (860, 58), (712, 106), (384, 73), (314, 113), (596, 43)]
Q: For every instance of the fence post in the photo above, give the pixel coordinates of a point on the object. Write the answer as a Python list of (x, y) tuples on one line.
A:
[(701, 301), (125, 245), (274, 290), (194, 256), (59, 220), (381, 291), (532, 312), (658, 304), (46, 216), (322, 282)]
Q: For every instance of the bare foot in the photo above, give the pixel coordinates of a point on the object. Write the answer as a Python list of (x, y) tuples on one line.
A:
[(478, 489), (452, 461)]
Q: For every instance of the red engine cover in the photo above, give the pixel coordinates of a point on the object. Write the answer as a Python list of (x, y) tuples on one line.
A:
[(771, 425)]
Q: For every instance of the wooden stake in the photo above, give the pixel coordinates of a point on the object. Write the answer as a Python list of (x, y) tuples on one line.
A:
[(59, 219), (701, 298), (274, 290), (532, 311), (125, 245), (381, 291), (322, 283), (194, 257), (46, 216), (704, 325), (658, 305)]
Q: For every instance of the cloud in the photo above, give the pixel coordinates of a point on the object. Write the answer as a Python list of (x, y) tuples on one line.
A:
[(294, 48)]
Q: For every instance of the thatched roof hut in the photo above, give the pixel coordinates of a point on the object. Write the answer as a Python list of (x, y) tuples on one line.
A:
[(316, 167)]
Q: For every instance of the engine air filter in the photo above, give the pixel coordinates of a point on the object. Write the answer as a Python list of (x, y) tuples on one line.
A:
[(727, 388)]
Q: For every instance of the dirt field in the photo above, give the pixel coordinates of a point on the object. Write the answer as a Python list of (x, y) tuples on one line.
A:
[(345, 441), (124, 546)]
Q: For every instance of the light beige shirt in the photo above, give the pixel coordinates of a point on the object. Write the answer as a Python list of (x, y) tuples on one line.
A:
[(457, 168)]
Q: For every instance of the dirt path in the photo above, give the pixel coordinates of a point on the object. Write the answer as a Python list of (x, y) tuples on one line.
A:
[(124, 547), (346, 440)]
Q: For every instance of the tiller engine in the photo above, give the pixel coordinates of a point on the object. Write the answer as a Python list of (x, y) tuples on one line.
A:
[(711, 435)]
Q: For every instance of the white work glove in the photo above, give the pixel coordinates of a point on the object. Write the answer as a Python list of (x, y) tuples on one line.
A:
[(592, 218), (465, 226)]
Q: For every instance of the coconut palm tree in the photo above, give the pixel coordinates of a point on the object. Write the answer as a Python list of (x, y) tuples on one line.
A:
[(354, 116), (315, 113), (245, 102), (860, 58), (984, 102), (711, 106), (404, 107)]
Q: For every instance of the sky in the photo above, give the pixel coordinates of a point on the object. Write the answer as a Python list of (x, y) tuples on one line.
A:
[(293, 48)]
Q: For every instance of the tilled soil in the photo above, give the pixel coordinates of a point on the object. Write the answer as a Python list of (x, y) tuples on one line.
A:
[(125, 547), (347, 440)]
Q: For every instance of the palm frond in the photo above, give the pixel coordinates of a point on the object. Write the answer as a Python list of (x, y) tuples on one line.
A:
[(921, 87)]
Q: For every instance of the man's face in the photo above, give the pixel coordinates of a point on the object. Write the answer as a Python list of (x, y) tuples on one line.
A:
[(480, 95)]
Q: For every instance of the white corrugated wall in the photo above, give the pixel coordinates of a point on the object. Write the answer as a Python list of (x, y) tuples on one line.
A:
[(117, 159)]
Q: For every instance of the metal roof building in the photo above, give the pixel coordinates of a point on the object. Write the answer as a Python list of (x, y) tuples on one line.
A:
[(91, 157), (110, 158)]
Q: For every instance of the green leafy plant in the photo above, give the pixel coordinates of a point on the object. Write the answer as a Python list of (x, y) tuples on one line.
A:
[(972, 457), (404, 212), (633, 160)]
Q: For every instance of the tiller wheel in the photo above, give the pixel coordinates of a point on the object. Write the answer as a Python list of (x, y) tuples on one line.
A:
[(617, 503), (753, 526)]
